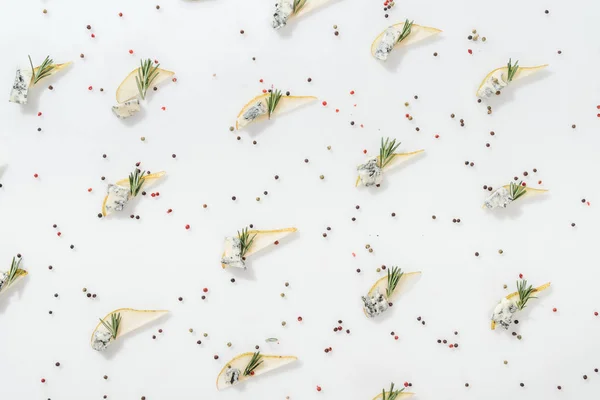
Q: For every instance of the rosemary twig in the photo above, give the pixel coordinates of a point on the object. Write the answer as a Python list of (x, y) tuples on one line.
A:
[(525, 293), (255, 361), (272, 101), (113, 326), (43, 71), (386, 151), (146, 74), (245, 240), (516, 190), (393, 277), (405, 30), (392, 394), (13, 272), (136, 180), (512, 69), (297, 6)]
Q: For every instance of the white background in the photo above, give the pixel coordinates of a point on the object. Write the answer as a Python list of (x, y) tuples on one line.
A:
[(151, 262)]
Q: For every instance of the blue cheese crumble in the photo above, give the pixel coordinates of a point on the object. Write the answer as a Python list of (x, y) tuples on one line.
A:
[(102, 339), (283, 10), (387, 43), (20, 87), (369, 173), (255, 111), (504, 312), (126, 109), (3, 279), (375, 304), (118, 196), (233, 247), (232, 375), (494, 84), (499, 198)]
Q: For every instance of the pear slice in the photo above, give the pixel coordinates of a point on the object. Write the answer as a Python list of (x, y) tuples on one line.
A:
[(417, 33), (381, 284), (128, 89), (398, 159), (309, 6), (57, 68), (270, 362), (263, 239), (403, 395), (286, 103), (21, 273), (522, 72), (516, 294), (130, 320), (529, 192), (148, 180)]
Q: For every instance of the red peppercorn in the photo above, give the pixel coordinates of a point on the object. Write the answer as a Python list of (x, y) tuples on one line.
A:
[(92, 35), (163, 108), (596, 313), (324, 103), (470, 51), (437, 136), (39, 114), (187, 227), (169, 211), (318, 388), (120, 14), (205, 290), (405, 384), (276, 242), (89, 189), (174, 79), (396, 337), (130, 51), (43, 380), (352, 92), (35, 175), (365, 151), (90, 88), (554, 309), (520, 276)]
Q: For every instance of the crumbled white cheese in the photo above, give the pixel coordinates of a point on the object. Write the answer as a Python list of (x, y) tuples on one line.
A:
[(255, 111), (499, 198), (283, 10), (233, 247), (504, 311), (494, 83), (102, 339), (375, 304), (126, 109), (118, 196), (3, 279), (387, 43), (232, 375), (20, 88), (369, 173)]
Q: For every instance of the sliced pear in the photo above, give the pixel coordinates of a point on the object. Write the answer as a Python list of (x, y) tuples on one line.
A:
[(522, 72), (57, 68), (516, 294), (398, 159), (417, 33), (264, 239), (21, 273), (130, 320), (309, 6), (529, 192), (381, 284), (286, 103), (128, 89), (270, 362), (403, 395)]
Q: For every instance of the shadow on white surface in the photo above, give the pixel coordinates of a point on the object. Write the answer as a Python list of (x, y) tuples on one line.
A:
[(15, 290), (34, 94), (270, 375), (389, 176), (515, 209), (134, 119)]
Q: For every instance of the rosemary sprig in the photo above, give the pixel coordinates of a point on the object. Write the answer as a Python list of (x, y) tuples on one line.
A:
[(245, 240), (512, 69), (405, 31), (44, 69), (386, 151), (136, 180), (525, 293), (392, 394), (255, 361), (146, 74), (272, 101), (113, 326), (297, 6), (393, 277), (12, 272), (516, 190)]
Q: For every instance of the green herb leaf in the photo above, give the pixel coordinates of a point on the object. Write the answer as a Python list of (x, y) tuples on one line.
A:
[(525, 293), (391, 394), (113, 326), (146, 74), (516, 190), (386, 151), (245, 240), (136, 180), (297, 6), (13, 273), (255, 361), (406, 29), (272, 101), (43, 71), (393, 277), (512, 69)]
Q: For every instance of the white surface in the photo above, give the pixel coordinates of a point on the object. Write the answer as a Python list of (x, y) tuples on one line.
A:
[(151, 262)]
